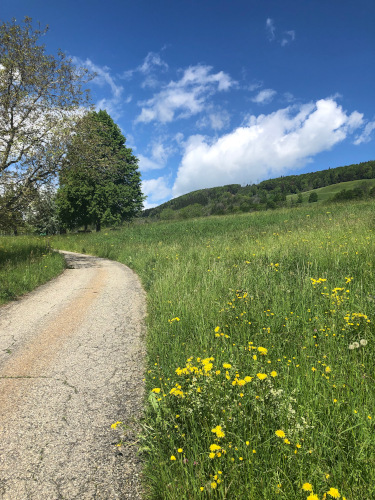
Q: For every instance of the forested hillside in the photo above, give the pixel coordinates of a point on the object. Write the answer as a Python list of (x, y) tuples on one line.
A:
[(270, 194)]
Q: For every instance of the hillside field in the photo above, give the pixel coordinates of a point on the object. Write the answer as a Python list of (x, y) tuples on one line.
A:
[(260, 351), (260, 371), (326, 193)]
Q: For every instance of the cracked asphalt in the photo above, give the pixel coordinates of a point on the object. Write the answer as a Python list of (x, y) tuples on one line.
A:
[(71, 364)]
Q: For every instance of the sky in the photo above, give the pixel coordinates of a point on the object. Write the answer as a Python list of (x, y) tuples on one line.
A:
[(216, 92)]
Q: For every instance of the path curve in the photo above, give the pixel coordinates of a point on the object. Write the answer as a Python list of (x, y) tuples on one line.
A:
[(71, 364)]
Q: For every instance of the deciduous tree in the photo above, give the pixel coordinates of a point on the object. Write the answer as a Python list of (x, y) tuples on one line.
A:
[(40, 95), (100, 182)]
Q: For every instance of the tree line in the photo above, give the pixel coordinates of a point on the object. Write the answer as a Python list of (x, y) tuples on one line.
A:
[(63, 165), (268, 194)]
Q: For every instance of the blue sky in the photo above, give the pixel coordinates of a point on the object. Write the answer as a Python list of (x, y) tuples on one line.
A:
[(210, 92)]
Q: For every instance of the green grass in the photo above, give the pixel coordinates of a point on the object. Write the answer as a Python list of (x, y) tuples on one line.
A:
[(286, 294), (25, 263), (328, 192)]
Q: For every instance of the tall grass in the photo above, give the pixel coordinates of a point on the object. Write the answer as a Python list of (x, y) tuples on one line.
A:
[(25, 263), (260, 368)]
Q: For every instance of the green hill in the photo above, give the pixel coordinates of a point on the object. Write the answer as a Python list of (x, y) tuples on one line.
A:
[(341, 183), (327, 193)]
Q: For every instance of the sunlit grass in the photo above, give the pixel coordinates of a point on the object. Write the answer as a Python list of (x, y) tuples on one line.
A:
[(25, 263), (260, 367)]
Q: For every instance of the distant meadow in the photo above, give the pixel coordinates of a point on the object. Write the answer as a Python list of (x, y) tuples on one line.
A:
[(260, 351)]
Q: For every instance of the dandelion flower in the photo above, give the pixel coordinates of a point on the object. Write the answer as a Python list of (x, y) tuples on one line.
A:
[(218, 431), (312, 497), (213, 485), (180, 450), (280, 434), (262, 376), (227, 366), (156, 389), (307, 487), (173, 457), (113, 426), (273, 374), (334, 493)]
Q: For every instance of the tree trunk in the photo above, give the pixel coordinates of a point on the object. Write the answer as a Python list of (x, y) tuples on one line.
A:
[(97, 226)]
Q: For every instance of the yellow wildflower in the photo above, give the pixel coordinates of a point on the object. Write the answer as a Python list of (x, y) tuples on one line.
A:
[(280, 433), (307, 487), (334, 493), (218, 431)]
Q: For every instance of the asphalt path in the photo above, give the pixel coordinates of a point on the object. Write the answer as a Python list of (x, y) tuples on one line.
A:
[(71, 364)]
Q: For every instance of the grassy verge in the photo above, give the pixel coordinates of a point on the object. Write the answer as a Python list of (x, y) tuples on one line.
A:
[(25, 263), (260, 370)]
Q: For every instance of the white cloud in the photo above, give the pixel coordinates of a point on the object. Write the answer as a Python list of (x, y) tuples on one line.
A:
[(290, 37), (266, 146), (365, 136), (254, 86), (187, 96), (160, 152), (151, 61), (103, 77), (156, 190), (217, 120), (146, 164), (264, 96), (159, 156), (270, 28)]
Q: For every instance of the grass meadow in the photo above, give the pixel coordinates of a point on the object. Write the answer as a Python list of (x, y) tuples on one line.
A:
[(260, 367), (260, 349), (25, 263)]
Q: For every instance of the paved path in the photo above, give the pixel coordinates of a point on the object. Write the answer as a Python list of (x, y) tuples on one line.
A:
[(71, 364)]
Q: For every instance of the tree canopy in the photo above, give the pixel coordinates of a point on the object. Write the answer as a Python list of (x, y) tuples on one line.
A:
[(100, 182), (40, 96)]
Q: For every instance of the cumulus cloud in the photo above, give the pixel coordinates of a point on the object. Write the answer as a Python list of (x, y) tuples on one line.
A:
[(264, 96), (156, 190), (265, 146), (186, 96), (366, 134)]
